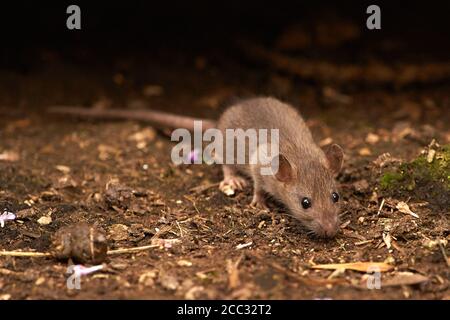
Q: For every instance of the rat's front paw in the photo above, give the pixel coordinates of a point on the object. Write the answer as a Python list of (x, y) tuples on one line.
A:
[(230, 184), (259, 202)]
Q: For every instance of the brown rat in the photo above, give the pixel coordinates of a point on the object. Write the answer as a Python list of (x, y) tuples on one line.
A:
[(305, 180)]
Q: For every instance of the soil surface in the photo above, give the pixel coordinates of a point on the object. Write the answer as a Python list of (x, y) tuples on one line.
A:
[(118, 176)]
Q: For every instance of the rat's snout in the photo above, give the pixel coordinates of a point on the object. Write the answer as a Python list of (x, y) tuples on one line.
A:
[(327, 228)]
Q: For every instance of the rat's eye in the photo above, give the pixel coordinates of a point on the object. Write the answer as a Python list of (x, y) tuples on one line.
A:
[(306, 203), (335, 197)]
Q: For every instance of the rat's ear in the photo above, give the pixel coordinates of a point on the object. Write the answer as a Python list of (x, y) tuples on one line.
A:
[(335, 158), (282, 168)]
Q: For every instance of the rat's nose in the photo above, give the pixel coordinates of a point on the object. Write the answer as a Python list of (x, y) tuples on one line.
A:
[(329, 228)]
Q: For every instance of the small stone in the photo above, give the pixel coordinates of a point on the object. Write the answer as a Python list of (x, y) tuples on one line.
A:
[(168, 282), (228, 191), (372, 138), (45, 220), (39, 281), (184, 263), (194, 293), (63, 169), (364, 152), (147, 279)]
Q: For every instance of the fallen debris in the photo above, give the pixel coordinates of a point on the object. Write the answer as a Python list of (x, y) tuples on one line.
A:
[(381, 206), (384, 160), (233, 273), (244, 245), (356, 266), (404, 208)]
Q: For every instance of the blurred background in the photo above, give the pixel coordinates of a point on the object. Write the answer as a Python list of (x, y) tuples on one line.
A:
[(128, 54)]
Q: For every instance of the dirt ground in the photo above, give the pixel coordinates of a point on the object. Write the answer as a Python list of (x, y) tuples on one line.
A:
[(118, 176)]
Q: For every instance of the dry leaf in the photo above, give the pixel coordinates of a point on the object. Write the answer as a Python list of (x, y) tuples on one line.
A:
[(404, 208), (357, 266)]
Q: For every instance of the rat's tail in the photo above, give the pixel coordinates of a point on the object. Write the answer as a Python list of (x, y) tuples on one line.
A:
[(160, 119)]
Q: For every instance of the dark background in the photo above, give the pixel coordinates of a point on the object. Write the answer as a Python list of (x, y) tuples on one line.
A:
[(117, 26)]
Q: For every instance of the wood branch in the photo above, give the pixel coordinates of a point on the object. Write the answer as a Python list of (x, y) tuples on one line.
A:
[(34, 254), (24, 254)]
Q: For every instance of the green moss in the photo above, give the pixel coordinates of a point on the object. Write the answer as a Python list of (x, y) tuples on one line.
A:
[(390, 180), (419, 172)]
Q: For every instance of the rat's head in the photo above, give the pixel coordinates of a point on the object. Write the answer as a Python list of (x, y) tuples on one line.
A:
[(310, 191)]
